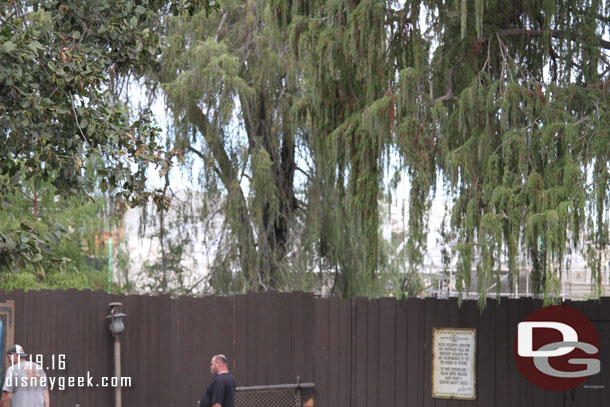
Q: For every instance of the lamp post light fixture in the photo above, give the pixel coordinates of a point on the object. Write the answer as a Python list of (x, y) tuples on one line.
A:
[(116, 318), (116, 327)]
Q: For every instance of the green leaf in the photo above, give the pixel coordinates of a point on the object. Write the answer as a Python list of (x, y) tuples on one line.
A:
[(140, 10), (57, 227), (9, 243), (32, 47), (37, 182), (36, 44), (8, 46), (133, 22)]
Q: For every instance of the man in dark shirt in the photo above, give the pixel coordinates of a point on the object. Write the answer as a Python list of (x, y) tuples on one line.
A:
[(221, 390)]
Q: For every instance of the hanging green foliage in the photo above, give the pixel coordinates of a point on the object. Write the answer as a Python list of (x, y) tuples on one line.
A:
[(503, 102)]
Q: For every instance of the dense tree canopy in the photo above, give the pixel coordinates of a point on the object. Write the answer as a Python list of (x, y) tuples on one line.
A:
[(304, 115), (68, 237), (58, 111), (506, 100)]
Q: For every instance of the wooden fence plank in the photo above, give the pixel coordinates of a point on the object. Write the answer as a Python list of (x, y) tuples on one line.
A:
[(240, 338), (263, 322), (321, 353), (308, 337), (387, 351), (141, 320), (486, 351), (173, 363), (402, 364), (224, 329), (166, 331), (372, 353), (298, 332), (429, 323), (333, 351), (105, 345), (252, 342), (206, 342), (362, 309), (285, 331), (273, 333), (80, 333), (442, 321), (343, 354), (415, 352), (188, 330), (157, 354), (503, 355), (513, 376), (353, 352)]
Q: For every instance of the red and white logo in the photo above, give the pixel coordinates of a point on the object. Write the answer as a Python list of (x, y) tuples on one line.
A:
[(557, 348)]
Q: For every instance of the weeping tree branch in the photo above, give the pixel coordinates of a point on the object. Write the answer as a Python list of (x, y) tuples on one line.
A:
[(449, 93), (516, 32), (449, 89), (228, 176), (227, 172)]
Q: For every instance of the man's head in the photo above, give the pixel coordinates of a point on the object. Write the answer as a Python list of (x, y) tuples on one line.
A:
[(218, 364), (14, 353)]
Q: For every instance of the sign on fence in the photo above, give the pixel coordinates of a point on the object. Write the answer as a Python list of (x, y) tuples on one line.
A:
[(454, 363)]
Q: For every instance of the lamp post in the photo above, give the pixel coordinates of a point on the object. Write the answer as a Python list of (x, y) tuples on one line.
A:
[(116, 327)]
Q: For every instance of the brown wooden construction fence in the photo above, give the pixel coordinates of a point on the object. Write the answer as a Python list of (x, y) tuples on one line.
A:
[(358, 352)]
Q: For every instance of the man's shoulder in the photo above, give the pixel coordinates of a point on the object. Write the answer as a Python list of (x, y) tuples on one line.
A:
[(15, 368), (225, 378)]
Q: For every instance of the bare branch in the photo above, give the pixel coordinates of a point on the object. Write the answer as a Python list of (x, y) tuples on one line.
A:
[(222, 21), (77, 123), (205, 158), (303, 172), (449, 93)]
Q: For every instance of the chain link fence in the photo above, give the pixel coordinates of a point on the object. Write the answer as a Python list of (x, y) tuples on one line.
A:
[(280, 395)]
